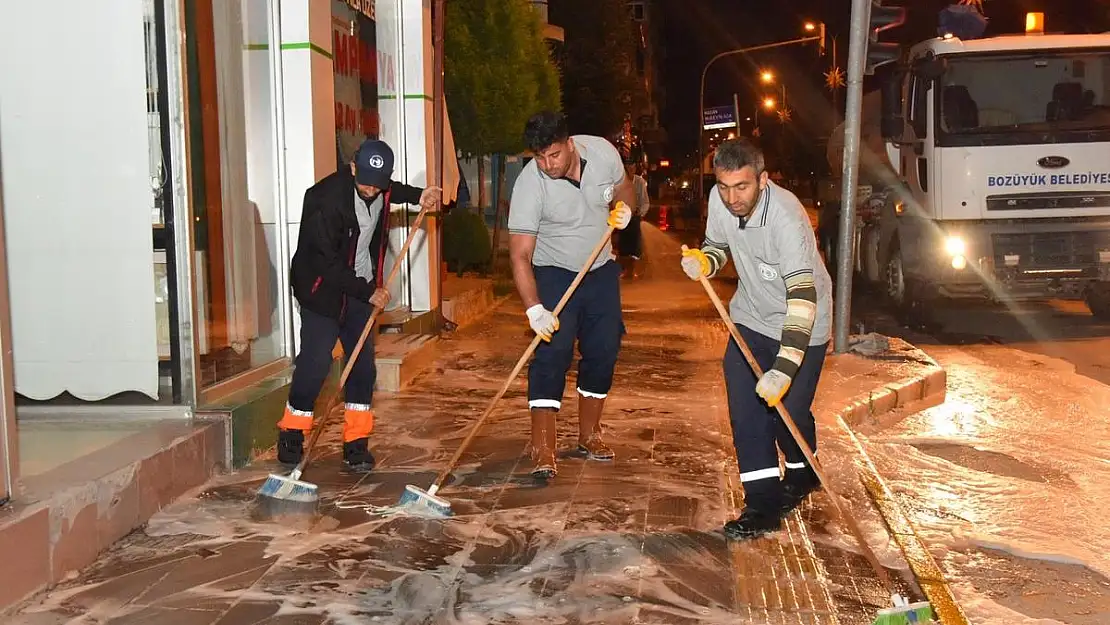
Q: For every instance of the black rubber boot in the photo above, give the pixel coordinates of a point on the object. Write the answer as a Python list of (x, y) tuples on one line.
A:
[(357, 456), (753, 523), (290, 447), (798, 485), (762, 501)]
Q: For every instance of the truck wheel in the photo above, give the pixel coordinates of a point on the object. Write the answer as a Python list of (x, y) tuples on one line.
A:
[(906, 295), (894, 278), (1098, 300)]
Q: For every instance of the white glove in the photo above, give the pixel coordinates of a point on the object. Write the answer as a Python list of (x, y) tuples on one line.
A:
[(620, 216), (542, 321), (772, 386), (695, 263)]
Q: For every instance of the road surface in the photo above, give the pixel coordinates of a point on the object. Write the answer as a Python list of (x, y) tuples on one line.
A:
[(1009, 479)]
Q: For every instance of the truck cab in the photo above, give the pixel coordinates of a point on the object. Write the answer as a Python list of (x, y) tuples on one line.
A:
[(998, 183)]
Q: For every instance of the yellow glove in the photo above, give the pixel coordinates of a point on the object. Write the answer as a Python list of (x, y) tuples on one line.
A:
[(620, 216), (772, 386), (695, 263)]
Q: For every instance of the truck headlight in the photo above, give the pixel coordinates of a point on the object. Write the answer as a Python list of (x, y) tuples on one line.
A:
[(955, 246)]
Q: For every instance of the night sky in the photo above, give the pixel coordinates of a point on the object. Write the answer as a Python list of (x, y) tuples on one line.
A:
[(695, 30)]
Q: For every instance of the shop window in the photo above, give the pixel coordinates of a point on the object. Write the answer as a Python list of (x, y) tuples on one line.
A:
[(237, 268)]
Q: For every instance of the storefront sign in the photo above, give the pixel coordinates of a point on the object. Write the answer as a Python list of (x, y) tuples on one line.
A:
[(355, 65)]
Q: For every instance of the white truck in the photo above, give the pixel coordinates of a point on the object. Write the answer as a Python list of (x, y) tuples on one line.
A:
[(985, 173)]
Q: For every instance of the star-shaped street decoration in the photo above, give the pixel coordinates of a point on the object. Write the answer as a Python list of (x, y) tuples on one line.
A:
[(834, 79), (784, 115)]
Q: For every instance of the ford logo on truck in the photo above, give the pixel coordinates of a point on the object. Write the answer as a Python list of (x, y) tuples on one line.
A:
[(1053, 162)]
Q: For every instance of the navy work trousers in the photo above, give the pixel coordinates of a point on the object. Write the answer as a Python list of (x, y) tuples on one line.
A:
[(756, 429), (313, 363), (593, 318)]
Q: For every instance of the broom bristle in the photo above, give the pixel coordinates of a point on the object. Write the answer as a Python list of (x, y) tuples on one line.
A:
[(921, 612), (281, 487), (424, 503)]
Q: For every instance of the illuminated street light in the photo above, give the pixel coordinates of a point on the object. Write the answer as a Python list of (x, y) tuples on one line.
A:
[(810, 27), (769, 104), (817, 37), (767, 76)]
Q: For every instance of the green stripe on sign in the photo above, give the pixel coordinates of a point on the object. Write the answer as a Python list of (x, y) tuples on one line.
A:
[(407, 96), (300, 45)]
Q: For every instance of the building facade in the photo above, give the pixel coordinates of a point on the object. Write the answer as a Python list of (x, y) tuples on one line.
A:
[(153, 160)]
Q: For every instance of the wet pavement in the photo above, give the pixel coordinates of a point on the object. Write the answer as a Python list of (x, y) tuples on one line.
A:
[(1007, 480), (632, 541)]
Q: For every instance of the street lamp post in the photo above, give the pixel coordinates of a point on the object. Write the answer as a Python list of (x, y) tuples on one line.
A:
[(701, 95)]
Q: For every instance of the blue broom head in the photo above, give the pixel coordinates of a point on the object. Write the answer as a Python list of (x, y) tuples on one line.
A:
[(963, 21)]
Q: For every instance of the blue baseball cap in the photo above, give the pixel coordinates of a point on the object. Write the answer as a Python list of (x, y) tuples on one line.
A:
[(374, 164)]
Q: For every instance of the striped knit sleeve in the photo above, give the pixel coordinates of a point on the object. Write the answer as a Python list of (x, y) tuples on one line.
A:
[(715, 245), (801, 311), (717, 255)]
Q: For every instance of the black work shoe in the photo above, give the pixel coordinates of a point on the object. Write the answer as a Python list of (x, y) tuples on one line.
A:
[(358, 457), (290, 447), (794, 492), (752, 523)]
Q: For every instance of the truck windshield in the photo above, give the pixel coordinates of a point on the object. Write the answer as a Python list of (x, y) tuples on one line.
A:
[(1054, 95)]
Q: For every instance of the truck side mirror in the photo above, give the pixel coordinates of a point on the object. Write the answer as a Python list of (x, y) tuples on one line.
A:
[(930, 68), (893, 123)]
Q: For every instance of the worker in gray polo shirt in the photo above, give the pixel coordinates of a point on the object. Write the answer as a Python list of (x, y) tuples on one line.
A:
[(563, 203), (782, 307)]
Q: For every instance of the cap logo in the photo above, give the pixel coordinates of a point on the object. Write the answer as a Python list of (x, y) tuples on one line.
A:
[(376, 161)]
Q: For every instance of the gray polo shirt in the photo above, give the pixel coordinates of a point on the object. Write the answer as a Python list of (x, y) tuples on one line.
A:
[(368, 217), (568, 219), (776, 242)]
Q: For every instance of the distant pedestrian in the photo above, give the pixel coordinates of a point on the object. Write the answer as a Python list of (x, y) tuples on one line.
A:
[(563, 202), (783, 308), (630, 241)]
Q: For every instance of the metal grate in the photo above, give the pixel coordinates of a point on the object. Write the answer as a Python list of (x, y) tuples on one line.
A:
[(1051, 250)]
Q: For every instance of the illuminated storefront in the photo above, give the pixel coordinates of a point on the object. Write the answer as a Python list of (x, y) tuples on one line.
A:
[(152, 190)]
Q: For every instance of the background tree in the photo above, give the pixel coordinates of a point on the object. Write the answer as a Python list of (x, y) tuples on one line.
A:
[(497, 72), (599, 63)]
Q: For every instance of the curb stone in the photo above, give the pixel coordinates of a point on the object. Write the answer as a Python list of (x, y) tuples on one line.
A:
[(925, 390)]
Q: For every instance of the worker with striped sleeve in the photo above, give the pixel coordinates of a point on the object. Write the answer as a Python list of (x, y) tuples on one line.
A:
[(783, 308)]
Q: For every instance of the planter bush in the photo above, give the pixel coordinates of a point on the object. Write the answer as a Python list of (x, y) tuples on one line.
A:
[(466, 242)]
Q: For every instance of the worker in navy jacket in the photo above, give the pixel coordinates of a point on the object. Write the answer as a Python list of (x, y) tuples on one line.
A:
[(337, 277)]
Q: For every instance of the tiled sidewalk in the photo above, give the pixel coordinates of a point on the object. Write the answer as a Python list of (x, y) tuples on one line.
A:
[(634, 541)]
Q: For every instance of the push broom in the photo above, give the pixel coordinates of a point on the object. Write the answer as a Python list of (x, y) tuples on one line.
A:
[(903, 611), (282, 495), (425, 502)]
